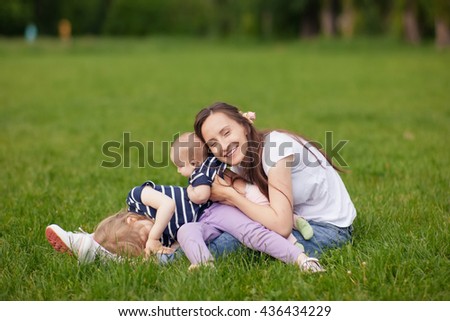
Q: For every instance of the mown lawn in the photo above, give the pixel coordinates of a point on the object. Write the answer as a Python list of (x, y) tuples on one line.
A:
[(60, 103)]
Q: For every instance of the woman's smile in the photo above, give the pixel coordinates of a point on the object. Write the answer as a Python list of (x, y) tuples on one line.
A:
[(231, 150)]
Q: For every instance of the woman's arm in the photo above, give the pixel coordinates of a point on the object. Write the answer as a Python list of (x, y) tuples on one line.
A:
[(165, 207), (277, 216)]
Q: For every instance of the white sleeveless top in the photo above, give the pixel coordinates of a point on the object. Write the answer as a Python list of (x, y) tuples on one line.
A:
[(319, 193)]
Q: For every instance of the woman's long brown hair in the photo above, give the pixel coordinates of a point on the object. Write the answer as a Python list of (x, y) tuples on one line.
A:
[(252, 165)]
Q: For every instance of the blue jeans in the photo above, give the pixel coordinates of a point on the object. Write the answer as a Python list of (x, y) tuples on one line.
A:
[(326, 236)]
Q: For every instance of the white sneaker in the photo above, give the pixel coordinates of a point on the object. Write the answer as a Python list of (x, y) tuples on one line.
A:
[(80, 244), (311, 265)]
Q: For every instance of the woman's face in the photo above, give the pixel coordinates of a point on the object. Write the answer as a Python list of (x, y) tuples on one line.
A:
[(226, 138)]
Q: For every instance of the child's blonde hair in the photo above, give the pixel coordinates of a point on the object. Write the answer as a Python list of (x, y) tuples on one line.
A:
[(116, 235)]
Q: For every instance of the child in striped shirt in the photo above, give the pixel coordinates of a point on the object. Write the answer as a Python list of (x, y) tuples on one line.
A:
[(172, 206)]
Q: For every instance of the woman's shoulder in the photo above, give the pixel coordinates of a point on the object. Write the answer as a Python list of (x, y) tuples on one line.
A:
[(278, 137)]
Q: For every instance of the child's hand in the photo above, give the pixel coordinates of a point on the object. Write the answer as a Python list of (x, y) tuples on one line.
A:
[(155, 246)]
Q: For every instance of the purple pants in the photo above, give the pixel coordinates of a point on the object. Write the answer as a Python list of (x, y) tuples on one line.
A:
[(220, 218)]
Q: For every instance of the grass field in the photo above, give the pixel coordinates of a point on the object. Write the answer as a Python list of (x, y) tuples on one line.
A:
[(60, 103)]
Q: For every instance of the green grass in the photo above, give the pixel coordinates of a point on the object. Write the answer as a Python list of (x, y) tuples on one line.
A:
[(60, 103)]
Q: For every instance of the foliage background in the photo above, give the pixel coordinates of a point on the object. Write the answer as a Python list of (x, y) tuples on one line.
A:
[(261, 19)]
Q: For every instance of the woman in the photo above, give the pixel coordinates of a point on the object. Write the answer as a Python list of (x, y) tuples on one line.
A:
[(295, 176)]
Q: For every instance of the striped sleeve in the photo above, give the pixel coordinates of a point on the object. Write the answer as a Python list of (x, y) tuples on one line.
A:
[(206, 173)]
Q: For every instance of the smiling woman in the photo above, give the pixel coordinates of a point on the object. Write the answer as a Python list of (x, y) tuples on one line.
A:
[(277, 163), (225, 138)]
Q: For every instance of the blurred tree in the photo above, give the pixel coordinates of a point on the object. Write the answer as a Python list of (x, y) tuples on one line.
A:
[(15, 15), (143, 17), (441, 13), (137, 17), (308, 17), (395, 26), (328, 17), (267, 19), (371, 16), (410, 22), (282, 16), (189, 17), (222, 23), (266, 11), (249, 17), (86, 16), (47, 16), (346, 21)]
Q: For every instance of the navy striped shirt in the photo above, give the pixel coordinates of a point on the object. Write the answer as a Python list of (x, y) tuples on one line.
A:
[(185, 210), (205, 174)]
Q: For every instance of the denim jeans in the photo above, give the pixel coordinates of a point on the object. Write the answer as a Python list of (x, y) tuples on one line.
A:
[(326, 236)]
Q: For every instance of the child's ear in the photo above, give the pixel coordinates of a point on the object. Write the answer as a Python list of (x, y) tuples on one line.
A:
[(131, 220)]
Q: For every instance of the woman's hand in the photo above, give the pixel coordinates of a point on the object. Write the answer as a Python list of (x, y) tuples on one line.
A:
[(221, 191)]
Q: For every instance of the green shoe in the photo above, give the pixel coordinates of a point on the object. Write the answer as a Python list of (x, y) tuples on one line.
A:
[(300, 245), (304, 228)]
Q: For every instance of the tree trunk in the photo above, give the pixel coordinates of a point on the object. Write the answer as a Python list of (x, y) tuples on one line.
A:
[(442, 33), (327, 19), (347, 19), (411, 26), (309, 21)]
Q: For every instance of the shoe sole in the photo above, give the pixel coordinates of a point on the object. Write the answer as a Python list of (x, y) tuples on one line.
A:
[(56, 242)]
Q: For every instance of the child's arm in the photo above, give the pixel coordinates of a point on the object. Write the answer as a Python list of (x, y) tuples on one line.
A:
[(199, 189), (199, 194), (165, 208)]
